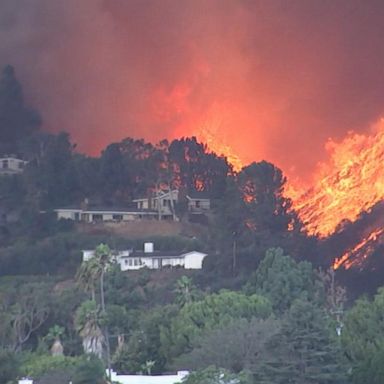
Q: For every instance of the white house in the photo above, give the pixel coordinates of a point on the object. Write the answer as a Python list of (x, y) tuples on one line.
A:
[(147, 379), (91, 215), (10, 165), (198, 202), (149, 258), (137, 379)]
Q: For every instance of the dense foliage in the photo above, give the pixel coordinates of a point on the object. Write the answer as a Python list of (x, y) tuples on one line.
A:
[(260, 311)]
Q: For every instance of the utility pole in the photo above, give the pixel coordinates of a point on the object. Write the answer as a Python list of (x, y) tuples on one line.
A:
[(234, 256)]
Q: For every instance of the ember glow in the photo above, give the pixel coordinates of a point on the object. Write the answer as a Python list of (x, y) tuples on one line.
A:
[(356, 256), (351, 181), (211, 134)]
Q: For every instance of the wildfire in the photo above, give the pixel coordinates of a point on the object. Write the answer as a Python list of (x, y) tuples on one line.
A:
[(209, 133), (351, 182), (366, 245)]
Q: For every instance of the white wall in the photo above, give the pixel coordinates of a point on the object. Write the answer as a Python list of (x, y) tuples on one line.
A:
[(145, 379), (65, 214), (194, 260), (25, 381)]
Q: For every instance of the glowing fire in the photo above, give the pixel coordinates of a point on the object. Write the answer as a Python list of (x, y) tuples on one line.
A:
[(366, 245), (209, 133), (351, 182)]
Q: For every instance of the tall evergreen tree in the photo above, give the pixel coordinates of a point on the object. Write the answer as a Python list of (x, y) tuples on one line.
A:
[(16, 120), (305, 351)]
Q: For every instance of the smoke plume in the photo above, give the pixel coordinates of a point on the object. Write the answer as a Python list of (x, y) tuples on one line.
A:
[(275, 79)]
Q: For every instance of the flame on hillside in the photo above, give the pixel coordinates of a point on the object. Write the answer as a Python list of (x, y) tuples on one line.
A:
[(360, 252), (351, 182), (211, 134)]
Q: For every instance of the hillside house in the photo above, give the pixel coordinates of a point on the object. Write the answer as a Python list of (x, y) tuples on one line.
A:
[(198, 202), (163, 202), (100, 214), (149, 258), (10, 165)]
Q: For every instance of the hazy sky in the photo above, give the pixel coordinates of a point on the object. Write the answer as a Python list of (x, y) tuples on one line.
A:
[(274, 79)]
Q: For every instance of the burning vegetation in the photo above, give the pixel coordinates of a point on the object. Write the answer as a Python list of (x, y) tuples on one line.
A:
[(350, 183)]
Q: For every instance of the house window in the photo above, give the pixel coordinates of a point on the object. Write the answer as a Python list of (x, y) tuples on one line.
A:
[(21, 165), (126, 262), (5, 164), (165, 202), (197, 203), (97, 217), (136, 262), (117, 217)]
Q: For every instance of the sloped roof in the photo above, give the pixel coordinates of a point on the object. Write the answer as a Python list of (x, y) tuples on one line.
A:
[(162, 254), (196, 195)]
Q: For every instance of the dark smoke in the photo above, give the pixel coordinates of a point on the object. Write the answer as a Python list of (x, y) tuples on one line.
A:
[(283, 75)]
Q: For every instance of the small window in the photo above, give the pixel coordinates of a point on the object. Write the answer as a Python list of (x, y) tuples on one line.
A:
[(126, 262), (197, 203), (136, 262), (97, 217), (5, 164), (117, 217), (21, 165)]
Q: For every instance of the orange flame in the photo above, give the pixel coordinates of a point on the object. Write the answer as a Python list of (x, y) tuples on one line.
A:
[(351, 182), (210, 134), (366, 244)]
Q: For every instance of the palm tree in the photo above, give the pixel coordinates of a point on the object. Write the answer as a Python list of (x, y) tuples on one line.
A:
[(87, 321), (55, 334), (185, 290), (147, 367), (90, 273)]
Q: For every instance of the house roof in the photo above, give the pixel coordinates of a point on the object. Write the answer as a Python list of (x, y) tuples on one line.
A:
[(11, 157), (112, 210), (198, 195), (162, 254), (158, 195)]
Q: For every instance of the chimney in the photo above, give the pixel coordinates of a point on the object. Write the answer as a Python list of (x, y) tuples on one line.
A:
[(148, 247)]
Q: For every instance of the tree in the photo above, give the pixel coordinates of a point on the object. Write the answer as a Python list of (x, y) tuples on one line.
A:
[(54, 335), (28, 313), (113, 172), (213, 375), (195, 168), (185, 290), (236, 347), (9, 366), (16, 119), (90, 371), (88, 322), (145, 341), (51, 179), (304, 351), (98, 265), (282, 280), (254, 215), (363, 338), (262, 186), (213, 311)]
